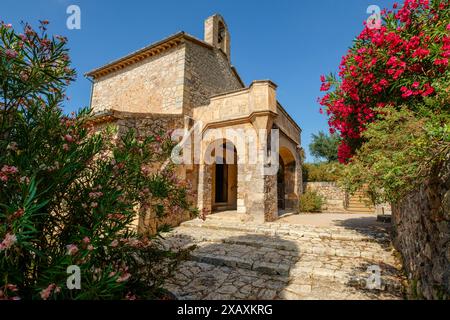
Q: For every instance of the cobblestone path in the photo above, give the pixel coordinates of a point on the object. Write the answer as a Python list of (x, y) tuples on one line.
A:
[(236, 260)]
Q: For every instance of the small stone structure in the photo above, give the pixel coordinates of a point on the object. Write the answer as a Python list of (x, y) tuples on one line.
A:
[(189, 84)]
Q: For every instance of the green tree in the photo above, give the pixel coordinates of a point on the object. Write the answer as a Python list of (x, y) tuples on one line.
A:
[(402, 149), (325, 146), (68, 194)]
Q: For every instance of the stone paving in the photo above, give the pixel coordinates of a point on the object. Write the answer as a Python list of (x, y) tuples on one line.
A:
[(239, 260)]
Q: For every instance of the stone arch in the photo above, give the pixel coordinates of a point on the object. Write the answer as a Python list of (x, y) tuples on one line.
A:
[(287, 180), (218, 187)]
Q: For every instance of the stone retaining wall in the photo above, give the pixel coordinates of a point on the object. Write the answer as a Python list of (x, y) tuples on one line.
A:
[(422, 235), (334, 196)]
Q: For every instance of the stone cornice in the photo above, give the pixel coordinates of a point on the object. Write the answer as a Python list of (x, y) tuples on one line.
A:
[(238, 91), (240, 120), (113, 115)]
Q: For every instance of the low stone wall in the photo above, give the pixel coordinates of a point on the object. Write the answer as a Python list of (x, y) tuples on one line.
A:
[(334, 196), (422, 235)]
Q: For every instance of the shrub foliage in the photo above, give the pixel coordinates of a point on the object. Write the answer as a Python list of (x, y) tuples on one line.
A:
[(311, 201), (68, 195), (317, 172)]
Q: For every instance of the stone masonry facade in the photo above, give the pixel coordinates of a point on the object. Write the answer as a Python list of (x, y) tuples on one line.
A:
[(182, 82)]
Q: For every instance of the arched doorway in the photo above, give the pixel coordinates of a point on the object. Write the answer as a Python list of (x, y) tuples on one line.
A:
[(287, 198), (224, 174)]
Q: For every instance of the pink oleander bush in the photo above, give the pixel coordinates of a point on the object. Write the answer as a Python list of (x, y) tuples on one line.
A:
[(404, 62), (69, 194), (391, 102)]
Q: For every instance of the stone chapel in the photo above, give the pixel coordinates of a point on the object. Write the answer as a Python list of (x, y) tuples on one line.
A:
[(183, 82)]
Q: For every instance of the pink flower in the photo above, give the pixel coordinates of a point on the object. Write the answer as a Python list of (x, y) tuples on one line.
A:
[(130, 296), (71, 249), (443, 62), (448, 26), (94, 204), (9, 169), (406, 92), (114, 243), (18, 213), (90, 247), (95, 195), (427, 90), (145, 170), (124, 277), (45, 294), (12, 287), (325, 86), (68, 138), (65, 147), (8, 242), (10, 53), (86, 240), (384, 82)]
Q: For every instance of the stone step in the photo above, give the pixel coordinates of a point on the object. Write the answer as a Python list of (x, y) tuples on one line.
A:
[(359, 207), (184, 237), (361, 200), (195, 281), (294, 231), (359, 203), (360, 210), (300, 268)]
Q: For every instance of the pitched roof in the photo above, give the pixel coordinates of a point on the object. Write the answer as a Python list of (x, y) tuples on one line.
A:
[(149, 51)]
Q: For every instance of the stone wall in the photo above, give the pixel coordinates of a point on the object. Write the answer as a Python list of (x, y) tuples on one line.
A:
[(153, 124), (208, 73), (146, 124), (155, 85), (260, 96), (287, 125), (422, 234), (334, 196)]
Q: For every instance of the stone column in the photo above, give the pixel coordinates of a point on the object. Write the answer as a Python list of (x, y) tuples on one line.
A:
[(265, 186), (204, 189)]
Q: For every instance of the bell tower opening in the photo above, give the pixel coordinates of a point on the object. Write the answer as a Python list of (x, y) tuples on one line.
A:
[(217, 35)]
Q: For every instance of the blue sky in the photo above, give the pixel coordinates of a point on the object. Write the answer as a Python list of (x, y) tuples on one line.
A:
[(291, 42)]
